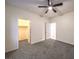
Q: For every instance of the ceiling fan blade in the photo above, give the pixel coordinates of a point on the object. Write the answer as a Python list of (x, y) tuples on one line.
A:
[(49, 2), (58, 11), (46, 11), (59, 4), (54, 10), (42, 6)]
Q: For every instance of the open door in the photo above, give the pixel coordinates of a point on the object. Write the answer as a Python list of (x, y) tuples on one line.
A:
[(50, 31), (47, 31), (53, 30)]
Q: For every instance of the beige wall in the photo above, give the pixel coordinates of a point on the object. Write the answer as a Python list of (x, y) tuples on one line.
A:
[(65, 27)]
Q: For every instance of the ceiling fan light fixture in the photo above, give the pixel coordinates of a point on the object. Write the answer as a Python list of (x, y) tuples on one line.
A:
[(50, 7)]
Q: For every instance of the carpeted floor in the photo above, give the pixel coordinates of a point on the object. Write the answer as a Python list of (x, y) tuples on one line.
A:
[(48, 49)]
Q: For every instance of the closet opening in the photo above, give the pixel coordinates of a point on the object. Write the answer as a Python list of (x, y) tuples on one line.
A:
[(24, 30)]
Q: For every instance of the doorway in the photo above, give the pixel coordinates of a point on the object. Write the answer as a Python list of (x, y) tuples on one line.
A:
[(24, 30), (50, 31), (53, 30)]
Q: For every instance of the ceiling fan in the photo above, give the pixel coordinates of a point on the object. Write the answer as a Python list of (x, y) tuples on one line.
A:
[(51, 6)]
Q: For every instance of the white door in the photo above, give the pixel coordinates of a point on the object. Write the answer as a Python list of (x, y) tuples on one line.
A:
[(53, 30), (50, 31)]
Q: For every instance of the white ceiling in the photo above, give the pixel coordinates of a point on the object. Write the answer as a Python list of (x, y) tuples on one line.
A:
[(32, 5)]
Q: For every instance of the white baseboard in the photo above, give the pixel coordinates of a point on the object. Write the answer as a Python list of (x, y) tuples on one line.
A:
[(37, 41)]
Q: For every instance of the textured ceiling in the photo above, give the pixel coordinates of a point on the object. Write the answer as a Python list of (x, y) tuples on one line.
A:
[(32, 5)]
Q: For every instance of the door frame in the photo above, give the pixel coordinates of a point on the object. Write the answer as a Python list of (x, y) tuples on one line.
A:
[(29, 29)]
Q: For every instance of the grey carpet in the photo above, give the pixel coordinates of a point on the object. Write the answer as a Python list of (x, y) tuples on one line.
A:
[(48, 49)]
